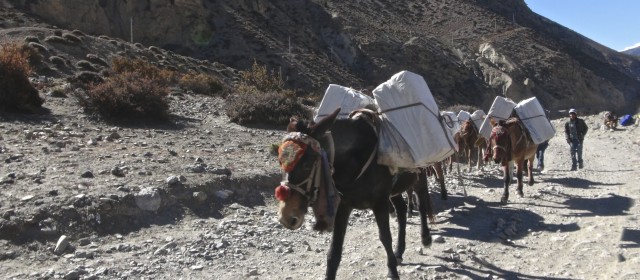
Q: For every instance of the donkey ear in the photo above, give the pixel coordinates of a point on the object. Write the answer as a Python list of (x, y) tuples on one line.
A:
[(291, 127), (323, 125)]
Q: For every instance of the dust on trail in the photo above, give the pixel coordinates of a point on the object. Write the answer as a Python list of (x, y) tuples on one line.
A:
[(570, 225)]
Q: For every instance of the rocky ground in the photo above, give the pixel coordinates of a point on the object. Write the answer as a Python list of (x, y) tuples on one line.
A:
[(193, 199)]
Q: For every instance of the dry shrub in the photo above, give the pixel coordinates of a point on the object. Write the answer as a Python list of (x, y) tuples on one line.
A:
[(121, 65), (203, 84), (252, 107), (17, 94), (261, 79), (135, 90), (260, 97)]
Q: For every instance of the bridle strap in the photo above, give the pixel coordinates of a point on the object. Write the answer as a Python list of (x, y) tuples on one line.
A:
[(312, 182)]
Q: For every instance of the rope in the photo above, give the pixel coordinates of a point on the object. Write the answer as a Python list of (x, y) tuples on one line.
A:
[(438, 117)]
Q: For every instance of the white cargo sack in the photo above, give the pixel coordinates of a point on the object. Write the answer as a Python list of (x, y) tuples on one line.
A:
[(463, 116), (478, 117), (501, 109), (412, 133), (535, 120), (451, 122), (343, 97)]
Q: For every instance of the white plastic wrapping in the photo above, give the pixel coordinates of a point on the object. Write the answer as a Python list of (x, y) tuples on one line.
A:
[(412, 133), (501, 109), (535, 120), (478, 117), (346, 98)]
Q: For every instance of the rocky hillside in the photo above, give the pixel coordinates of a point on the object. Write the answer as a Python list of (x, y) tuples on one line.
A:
[(634, 51), (469, 51)]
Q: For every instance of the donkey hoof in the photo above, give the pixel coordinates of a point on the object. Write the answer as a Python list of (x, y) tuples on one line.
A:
[(427, 240), (520, 194), (444, 196), (504, 199)]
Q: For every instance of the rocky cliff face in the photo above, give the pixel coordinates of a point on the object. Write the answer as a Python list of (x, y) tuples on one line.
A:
[(469, 51)]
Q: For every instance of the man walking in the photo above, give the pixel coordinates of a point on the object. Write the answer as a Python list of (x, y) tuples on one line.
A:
[(540, 154), (575, 129)]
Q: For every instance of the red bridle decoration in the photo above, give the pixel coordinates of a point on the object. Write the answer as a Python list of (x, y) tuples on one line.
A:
[(282, 192)]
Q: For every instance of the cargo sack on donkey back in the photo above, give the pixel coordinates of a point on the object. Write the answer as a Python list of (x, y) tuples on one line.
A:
[(501, 109), (412, 132), (347, 99), (535, 120)]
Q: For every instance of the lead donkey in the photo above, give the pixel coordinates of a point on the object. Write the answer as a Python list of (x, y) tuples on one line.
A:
[(307, 157)]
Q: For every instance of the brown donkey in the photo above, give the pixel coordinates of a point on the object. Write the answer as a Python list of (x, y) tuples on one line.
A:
[(510, 141), (468, 138)]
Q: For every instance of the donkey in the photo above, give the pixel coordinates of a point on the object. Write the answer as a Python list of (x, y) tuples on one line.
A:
[(468, 139), (510, 141), (360, 182)]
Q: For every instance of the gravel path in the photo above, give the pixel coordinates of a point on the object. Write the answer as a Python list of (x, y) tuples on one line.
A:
[(569, 225)]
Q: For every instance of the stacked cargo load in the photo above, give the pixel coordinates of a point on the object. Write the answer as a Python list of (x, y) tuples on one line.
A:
[(463, 116), (348, 99), (412, 133), (501, 109), (478, 117), (451, 121), (535, 120)]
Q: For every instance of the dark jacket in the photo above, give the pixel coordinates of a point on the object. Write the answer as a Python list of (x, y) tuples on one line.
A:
[(581, 128)]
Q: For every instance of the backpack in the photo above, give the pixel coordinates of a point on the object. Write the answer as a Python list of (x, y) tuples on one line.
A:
[(626, 120)]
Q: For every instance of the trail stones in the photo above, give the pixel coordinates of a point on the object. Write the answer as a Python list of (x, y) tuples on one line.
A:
[(148, 199), (61, 246), (87, 174)]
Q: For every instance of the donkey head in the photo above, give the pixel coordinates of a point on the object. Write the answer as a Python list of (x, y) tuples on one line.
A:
[(300, 161), (499, 142)]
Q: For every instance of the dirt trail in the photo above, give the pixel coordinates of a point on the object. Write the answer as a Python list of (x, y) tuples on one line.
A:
[(570, 225)]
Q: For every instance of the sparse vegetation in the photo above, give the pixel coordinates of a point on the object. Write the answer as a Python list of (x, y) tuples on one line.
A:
[(39, 47), (72, 38), (86, 65), (17, 94), (97, 60), (261, 97), (58, 61), (135, 90), (31, 38), (54, 39), (204, 84)]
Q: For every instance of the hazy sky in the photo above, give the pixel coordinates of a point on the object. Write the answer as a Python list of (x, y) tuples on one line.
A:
[(613, 23)]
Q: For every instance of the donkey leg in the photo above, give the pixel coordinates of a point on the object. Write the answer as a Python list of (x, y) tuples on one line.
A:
[(380, 211), (530, 172), (440, 177), (519, 171), (507, 181), (337, 240), (401, 207), (470, 160), (425, 208), (411, 202)]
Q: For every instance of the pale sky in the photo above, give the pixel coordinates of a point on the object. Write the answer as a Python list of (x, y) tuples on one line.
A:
[(613, 23)]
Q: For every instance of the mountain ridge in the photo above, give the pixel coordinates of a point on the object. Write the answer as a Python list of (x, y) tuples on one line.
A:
[(469, 51)]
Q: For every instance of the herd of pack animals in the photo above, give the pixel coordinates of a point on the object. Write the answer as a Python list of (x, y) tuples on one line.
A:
[(364, 184)]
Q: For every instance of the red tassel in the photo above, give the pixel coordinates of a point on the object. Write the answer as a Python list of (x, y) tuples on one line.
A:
[(282, 192)]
